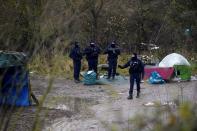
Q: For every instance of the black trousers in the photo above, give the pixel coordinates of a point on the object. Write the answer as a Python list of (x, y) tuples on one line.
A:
[(92, 64), (112, 68), (77, 68), (134, 78)]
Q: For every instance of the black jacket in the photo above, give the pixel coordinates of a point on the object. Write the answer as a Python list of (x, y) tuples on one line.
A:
[(136, 66), (112, 52), (75, 54), (92, 52)]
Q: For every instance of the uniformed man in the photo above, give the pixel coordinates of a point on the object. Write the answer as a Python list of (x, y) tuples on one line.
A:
[(76, 56), (92, 53), (135, 71), (113, 51)]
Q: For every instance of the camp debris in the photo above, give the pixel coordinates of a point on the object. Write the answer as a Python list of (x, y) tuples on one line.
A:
[(103, 67), (89, 78), (155, 78), (15, 87)]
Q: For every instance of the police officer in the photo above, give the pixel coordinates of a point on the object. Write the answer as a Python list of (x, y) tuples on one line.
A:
[(113, 51), (135, 71), (76, 56), (92, 52)]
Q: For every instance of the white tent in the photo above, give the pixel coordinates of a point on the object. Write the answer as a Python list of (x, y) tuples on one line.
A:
[(173, 59)]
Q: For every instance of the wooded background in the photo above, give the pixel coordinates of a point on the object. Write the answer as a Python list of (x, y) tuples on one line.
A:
[(36, 25)]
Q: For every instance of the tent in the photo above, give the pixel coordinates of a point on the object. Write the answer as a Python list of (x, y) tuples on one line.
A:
[(14, 79), (174, 59), (183, 71), (179, 63)]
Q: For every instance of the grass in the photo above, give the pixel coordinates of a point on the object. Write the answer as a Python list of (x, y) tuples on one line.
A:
[(57, 65), (194, 68), (61, 65)]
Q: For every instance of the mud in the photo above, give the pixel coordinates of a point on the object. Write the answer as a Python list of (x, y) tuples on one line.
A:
[(23, 119), (75, 107)]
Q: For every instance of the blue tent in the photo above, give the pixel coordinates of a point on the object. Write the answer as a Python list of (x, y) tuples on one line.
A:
[(14, 79)]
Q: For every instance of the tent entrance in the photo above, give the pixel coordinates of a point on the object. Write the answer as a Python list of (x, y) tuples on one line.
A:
[(183, 71)]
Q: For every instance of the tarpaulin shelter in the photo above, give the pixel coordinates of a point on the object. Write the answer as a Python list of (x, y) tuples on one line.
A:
[(165, 72), (14, 79)]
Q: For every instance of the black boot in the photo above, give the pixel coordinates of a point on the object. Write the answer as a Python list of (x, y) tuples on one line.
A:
[(77, 81), (113, 77), (138, 95), (130, 97)]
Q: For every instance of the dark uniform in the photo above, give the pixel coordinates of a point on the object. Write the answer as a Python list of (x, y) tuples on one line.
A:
[(135, 71), (92, 52), (76, 55), (112, 58)]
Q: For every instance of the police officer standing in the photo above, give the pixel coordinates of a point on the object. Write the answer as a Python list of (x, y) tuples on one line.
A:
[(135, 71), (113, 51), (92, 53), (76, 56)]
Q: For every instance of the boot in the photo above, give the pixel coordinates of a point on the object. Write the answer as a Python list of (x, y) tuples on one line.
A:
[(113, 77), (138, 95), (77, 81), (130, 97)]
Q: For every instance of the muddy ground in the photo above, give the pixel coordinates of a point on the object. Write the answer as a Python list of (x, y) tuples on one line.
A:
[(76, 107)]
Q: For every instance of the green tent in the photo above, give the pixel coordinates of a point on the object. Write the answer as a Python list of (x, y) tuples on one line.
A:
[(183, 71)]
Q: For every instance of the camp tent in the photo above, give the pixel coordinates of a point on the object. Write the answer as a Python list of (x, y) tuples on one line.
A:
[(174, 59), (180, 64), (14, 79)]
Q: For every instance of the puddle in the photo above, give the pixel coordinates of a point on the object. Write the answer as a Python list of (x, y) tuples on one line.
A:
[(74, 104), (82, 120), (23, 118), (62, 107), (156, 104), (75, 125), (193, 78)]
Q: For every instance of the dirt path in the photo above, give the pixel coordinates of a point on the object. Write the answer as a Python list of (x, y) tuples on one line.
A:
[(75, 107), (106, 107)]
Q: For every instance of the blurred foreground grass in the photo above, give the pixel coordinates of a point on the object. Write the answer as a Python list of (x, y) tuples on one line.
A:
[(181, 118)]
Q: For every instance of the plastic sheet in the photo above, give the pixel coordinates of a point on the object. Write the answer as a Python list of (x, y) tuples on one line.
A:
[(155, 78)]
